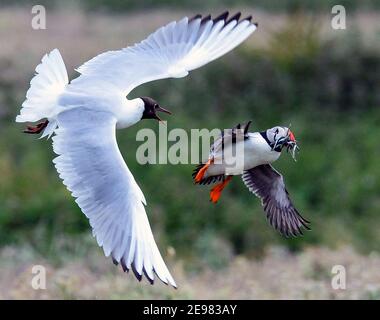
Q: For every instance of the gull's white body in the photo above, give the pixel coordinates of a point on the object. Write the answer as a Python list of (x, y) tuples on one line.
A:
[(127, 112), (84, 114)]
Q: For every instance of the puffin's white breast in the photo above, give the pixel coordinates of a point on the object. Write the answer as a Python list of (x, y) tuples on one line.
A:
[(254, 151)]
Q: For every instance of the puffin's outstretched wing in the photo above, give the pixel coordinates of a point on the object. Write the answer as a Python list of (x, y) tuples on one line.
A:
[(268, 184), (92, 168), (171, 51)]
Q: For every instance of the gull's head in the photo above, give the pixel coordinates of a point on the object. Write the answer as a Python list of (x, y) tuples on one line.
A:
[(151, 107), (280, 137)]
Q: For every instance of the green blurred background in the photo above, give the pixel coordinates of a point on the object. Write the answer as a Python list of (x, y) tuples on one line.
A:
[(294, 69)]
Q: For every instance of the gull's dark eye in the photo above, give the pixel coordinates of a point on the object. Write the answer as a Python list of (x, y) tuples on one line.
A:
[(156, 106)]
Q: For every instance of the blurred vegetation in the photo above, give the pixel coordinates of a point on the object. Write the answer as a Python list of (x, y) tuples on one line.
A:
[(327, 90)]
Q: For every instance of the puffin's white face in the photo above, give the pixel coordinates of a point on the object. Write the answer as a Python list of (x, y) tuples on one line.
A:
[(278, 135)]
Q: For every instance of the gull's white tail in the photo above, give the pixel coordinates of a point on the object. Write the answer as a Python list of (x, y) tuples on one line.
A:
[(45, 88)]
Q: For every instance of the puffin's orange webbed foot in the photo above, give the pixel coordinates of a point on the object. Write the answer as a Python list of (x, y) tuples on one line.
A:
[(216, 191)]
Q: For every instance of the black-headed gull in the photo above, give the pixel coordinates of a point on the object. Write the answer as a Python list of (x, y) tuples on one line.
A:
[(83, 115), (259, 150)]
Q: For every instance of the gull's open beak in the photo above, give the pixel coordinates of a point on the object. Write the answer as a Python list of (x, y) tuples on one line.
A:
[(162, 110)]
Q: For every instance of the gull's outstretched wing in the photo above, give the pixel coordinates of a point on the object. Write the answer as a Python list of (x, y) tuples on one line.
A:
[(266, 183), (92, 167), (171, 51)]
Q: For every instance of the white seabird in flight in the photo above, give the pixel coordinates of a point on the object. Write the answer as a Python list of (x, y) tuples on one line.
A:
[(84, 114)]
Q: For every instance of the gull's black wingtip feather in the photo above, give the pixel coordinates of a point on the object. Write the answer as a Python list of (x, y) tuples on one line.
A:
[(236, 17), (197, 16), (175, 287), (249, 18), (256, 24), (151, 281), (205, 19), (123, 265), (137, 275), (222, 16)]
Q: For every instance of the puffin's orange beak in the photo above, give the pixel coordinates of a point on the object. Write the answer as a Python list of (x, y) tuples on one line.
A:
[(291, 136)]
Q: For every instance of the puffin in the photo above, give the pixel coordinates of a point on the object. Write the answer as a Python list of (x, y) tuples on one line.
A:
[(256, 151)]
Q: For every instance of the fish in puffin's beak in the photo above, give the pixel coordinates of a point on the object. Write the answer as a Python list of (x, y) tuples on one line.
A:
[(291, 144)]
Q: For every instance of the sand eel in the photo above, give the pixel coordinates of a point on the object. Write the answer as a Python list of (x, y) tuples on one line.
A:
[(260, 149), (84, 114)]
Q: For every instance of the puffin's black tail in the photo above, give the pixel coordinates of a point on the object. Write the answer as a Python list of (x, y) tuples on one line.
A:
[(207, 180)]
